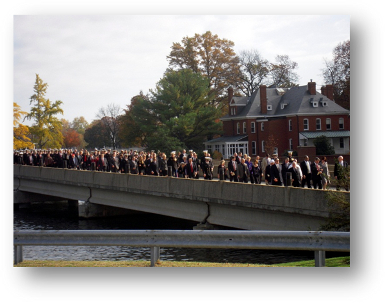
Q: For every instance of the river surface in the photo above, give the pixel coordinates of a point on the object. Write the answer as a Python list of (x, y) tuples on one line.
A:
[(59, 216)]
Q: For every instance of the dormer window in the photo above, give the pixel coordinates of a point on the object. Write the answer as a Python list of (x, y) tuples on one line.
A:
[(269, 107), (313, 102), (323, 102)]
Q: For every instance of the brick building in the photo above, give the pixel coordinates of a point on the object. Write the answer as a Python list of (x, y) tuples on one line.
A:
[(290, 117)]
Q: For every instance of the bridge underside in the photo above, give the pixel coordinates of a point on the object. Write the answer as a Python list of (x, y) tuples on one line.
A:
[(214, 211)]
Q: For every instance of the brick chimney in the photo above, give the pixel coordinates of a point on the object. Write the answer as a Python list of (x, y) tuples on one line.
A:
[(311, 87), (263, 98), (230, 94), (329, 92)]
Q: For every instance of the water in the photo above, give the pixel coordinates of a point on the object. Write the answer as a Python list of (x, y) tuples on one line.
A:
[(59, 216)]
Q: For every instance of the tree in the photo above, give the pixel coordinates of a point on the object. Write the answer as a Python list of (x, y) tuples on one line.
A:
[(20, 131), (131, 134), (110, 118), (270, 144), (337, 73), (96, 135), (339, 205), (79, 124), (46, 130), (72, 138), (211, 57), (178, 113), (323, 146), (254, 71), (282, 72)]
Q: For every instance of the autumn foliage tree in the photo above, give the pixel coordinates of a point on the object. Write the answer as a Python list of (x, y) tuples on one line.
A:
[(72, 138), (210, 56), (46, 129), (21, 132)]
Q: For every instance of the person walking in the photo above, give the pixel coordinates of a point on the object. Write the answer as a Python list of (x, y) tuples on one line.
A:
[(325, 176), (316, 172), (296, 174), (243, 171), (306, 172), (232, 166)]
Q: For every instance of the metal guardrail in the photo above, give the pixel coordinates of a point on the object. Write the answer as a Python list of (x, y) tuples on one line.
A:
[(319, 242)]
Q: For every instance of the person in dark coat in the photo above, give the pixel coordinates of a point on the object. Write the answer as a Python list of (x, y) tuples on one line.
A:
[(306, 172), (163, 165), (233, 169), (154, 166), (172, 162), (190, 169), (222, 171), (208, 169), (316, 172), (256, 173), (243, 171), (284, 169), (134, 165), (296, 174), (102, 163), (124, 165), (276, 176)]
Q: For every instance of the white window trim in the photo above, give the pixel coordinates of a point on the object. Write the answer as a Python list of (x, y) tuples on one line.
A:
[(329, 124), (238, 128), (316, 124), (254, 144), (252, 128), (244, 127), (307, 120)]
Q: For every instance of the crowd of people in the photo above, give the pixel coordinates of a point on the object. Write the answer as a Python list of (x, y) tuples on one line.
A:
[(240, 168)]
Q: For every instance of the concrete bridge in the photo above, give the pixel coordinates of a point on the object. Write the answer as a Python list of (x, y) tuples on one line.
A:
[(237, 205)]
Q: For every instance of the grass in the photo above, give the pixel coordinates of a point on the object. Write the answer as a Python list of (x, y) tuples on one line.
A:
[(331, 262)]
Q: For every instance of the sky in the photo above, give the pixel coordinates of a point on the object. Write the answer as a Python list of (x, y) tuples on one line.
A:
[(90, 61)]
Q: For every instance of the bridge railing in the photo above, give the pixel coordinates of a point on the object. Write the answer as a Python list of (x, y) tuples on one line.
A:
[(319, 242)]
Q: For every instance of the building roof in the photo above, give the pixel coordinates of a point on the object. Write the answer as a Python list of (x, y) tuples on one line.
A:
[(228, 139), (286, 102), (329, 134)]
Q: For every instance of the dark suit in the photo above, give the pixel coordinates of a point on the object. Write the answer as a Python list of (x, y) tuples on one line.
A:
[(316, 175), (163, 167), (296, 176), (154, 168), (233, 171), (284, 170), (275, 175), (134, 167), (256, 174), (206, 169), (305, 173), (243, 172), (222, 172), (190, 170)]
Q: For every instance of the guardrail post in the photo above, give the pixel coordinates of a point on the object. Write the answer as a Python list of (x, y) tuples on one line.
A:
[(18, 254), (319, 257), (155, 255)]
